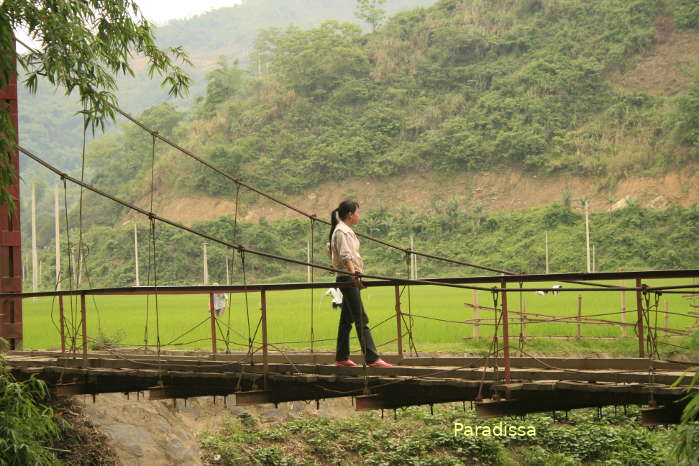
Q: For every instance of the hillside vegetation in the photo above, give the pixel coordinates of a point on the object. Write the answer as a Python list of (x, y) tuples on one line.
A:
[(48, 120), (633, 238), (461, 85), (534, 85)]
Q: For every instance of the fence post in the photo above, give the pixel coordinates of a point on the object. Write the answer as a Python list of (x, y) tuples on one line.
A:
[(667, 317), (83, 318), (476, 317), (212, 310), (524, 319), (399, 327), (639, 322), (263, 318), (578, 325), (624, 329), (522, 332), (505, 333), (62, 323)]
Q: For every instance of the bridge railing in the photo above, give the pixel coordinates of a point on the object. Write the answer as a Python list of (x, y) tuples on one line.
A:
[(501, 287)]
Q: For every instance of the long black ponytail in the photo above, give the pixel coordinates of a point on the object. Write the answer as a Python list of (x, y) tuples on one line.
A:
[(345, 208)]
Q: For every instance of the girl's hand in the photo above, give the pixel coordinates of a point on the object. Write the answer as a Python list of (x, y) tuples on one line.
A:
[(358, 281)]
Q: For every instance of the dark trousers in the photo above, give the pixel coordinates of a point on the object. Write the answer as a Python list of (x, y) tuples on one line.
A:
[(353, 312)]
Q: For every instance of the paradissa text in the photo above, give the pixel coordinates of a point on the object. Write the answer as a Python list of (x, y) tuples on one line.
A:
[(502, 429)]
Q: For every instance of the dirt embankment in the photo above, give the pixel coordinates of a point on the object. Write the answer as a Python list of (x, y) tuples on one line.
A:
[(142, 432), (486, 191)]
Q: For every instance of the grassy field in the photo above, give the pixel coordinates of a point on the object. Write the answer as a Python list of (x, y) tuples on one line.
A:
[(123, 318)]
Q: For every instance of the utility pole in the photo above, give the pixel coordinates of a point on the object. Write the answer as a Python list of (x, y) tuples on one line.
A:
[(547, 251), (206, 265), (135, 252), (35, 257), (587, 233), (57, 228), (413, 259)]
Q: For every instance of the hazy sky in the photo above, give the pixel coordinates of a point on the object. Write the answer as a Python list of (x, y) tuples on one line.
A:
[(160, 11)]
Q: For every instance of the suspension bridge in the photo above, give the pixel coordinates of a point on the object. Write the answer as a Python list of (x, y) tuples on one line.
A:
[(263, 371)]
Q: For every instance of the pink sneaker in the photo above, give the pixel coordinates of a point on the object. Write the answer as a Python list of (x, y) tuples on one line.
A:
[(348, 363), (380, 363)]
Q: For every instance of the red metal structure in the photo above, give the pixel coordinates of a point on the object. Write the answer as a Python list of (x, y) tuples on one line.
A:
[(10, 237)]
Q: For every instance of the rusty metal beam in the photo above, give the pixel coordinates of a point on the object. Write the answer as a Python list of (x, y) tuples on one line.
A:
[(596, 276), (662, 415), (555, 400), (108, 359), (411, 396), (190, 391)]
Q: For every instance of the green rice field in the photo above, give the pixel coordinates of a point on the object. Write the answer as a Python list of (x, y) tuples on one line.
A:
[(183, 320)]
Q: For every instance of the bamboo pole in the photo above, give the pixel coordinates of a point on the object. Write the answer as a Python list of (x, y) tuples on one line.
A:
[(639, 321), (263, 318), (578, 325), (212, 311), (505, 333), (399, 330), (57, 228), (624, 330), (476, 316)]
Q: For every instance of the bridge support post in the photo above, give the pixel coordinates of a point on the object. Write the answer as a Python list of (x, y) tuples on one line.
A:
[(476, 317), (10, 227), (624, 331), (83, 321), (399, 328), (578, 325), (505, 333), (263, 318), (212, 310), (639, 323), (62, 324)]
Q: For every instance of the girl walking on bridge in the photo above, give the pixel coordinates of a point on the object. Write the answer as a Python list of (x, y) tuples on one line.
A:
[(344, 252)]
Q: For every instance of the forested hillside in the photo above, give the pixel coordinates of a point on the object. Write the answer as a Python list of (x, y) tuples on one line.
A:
[(540, 86), (48, 120), (462, 85), (633, 238)]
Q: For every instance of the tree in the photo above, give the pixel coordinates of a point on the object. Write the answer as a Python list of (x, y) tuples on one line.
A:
[(686, 448), (82, 46), (370, 11), (223, 83)]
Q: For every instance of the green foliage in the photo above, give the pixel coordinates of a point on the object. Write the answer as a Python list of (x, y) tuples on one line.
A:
[(317, 61), (370, 12), (416, 437), (686, 13), (687, 118), (107, 341), (83, 46), (460, 85), (25, 425), (630, 238), (223, 83), (686, 448)]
